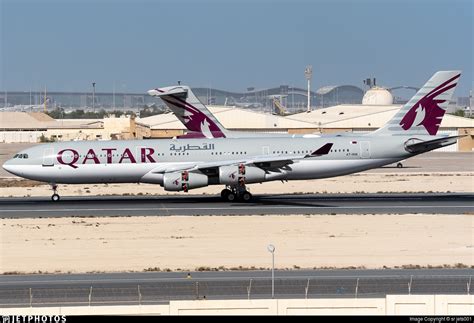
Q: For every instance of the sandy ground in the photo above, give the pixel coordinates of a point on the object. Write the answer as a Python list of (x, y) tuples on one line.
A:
[(356, 183), (184, 242)]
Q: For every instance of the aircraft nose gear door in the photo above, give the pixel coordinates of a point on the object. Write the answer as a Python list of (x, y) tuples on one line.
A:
[(365, 149), (48, 157)]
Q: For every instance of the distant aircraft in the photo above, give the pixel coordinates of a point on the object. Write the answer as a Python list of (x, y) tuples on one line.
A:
[(189, 114), (215, 159)]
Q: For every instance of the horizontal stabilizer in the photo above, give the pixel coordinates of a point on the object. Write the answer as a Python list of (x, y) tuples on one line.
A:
[(415, 146), (170, 90)]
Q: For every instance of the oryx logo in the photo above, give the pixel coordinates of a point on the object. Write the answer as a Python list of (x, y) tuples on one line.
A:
[(194, 119), (427, 112)]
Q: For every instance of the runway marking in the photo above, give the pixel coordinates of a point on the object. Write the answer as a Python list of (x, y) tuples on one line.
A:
[(239, 208)]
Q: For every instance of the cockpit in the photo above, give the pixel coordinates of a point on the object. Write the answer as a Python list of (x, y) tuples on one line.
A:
[(23, 156)]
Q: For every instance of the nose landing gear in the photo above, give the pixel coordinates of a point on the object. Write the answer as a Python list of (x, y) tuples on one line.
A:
[(55, 197)]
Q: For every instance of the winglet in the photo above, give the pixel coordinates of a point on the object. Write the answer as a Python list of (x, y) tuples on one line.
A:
[(324, 150)]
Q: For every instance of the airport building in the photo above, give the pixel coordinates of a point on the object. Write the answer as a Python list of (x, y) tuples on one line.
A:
[(38, 126), (376, 109)]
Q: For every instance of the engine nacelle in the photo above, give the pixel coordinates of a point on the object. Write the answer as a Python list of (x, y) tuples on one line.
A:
[(184, 181), (240, 174)]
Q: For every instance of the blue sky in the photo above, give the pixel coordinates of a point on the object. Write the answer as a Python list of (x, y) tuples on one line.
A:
[(67, 44)]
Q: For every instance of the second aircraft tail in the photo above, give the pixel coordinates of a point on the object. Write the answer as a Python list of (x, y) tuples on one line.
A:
[(190, 111)]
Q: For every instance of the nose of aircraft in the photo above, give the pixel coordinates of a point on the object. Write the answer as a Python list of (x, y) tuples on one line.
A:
[(8, 166)]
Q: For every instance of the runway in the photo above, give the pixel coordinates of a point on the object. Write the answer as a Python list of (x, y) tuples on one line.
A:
[(161, 287), (450, 203)]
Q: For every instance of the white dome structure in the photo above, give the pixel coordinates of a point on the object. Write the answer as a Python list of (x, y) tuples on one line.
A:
[(377, 96)]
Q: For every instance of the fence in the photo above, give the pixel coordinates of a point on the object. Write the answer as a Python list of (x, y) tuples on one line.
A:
[(162, 292)]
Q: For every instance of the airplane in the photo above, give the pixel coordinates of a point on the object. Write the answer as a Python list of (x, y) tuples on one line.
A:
[(208, 125), (184, 164)]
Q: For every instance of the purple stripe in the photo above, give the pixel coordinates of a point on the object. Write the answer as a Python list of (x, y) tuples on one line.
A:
[(443, 84)]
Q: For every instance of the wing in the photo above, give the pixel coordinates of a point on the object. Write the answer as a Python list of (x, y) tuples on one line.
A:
[(261, 161)]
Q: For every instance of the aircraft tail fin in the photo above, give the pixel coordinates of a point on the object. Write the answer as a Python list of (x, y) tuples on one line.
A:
[(424, 112), (190, 111)]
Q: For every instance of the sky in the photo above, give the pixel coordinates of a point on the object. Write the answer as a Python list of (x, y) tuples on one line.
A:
[(133, 46)]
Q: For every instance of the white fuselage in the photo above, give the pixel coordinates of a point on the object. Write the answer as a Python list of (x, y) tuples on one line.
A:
[(147, 160)]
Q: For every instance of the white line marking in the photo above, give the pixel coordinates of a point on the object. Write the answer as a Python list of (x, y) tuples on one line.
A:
[(249, 209)]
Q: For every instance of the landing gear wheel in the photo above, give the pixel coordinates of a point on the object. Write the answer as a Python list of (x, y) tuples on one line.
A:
[(224, 193), (399, 165), (246, 196), (55, 197), (230, 196)]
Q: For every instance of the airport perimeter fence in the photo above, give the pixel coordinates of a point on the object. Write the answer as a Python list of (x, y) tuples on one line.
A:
[(161, 292)]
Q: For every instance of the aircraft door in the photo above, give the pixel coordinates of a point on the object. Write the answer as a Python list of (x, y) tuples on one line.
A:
[(48, 157), (265, 150), (365, 149)]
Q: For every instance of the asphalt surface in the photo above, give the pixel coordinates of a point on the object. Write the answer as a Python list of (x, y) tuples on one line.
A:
[(261, 205), (161, 287)]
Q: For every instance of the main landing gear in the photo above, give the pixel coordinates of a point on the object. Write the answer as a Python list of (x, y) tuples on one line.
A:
[(236, 193), (55, 197)]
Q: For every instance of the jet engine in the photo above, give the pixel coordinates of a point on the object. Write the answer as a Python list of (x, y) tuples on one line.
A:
[(240, 174), (184, 181)]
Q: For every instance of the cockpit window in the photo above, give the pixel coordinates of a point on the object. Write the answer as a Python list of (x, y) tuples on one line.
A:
[(25, 156)]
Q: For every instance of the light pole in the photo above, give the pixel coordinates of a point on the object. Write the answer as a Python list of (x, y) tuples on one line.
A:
[(93, 96), (271, 248), (308, 73)]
